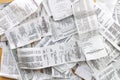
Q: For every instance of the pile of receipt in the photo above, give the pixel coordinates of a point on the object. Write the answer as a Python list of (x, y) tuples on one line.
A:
[(60, 40)]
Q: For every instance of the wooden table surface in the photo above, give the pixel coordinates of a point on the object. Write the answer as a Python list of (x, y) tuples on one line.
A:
[(5, 1)]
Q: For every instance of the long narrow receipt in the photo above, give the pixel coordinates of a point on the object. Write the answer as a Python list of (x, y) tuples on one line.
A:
[(60, 9), (116, 65), (111, 29), (109, 73), (99, 64), (85, 17), (23, 74), (63, 28), (28, 32), (8, 67), (87, 43), (37, 58), (88, 30), (16, 12), (65, 67), (47, 8)]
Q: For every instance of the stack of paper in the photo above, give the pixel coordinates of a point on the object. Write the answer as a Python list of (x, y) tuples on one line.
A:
[(60, 40)]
